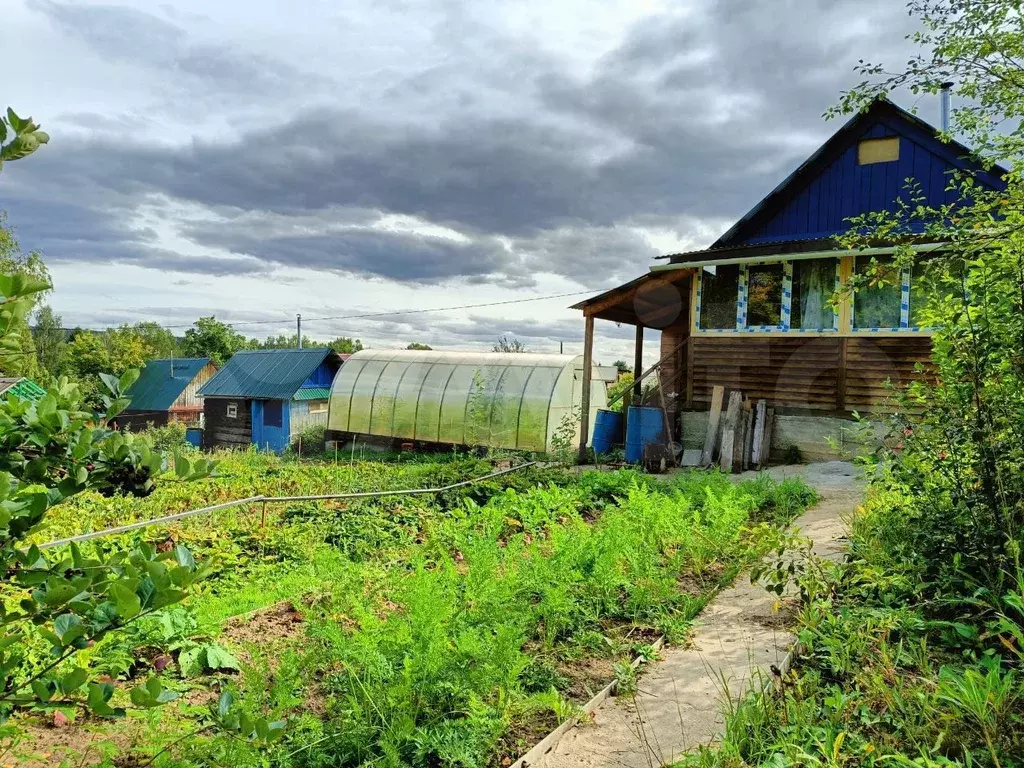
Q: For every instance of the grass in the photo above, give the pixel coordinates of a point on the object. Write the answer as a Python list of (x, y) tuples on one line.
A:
[(422, 631), (897, 670)]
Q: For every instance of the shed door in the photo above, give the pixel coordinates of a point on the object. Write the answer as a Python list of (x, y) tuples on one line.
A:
[(270, 425)]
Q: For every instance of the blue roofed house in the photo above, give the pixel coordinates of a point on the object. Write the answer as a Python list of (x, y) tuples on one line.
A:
[(267, 397), (166, 392), (751, 312)]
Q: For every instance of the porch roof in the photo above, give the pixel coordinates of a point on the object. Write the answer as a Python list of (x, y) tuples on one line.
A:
[(653, 300)]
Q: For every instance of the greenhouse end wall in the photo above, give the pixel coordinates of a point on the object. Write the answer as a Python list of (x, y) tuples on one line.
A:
[(518, 401)]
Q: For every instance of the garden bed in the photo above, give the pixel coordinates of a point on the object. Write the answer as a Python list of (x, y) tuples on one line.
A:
[(454, 630)]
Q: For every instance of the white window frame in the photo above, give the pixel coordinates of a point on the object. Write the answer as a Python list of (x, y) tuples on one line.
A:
[(742, 297), (232, 410), (322, 409)]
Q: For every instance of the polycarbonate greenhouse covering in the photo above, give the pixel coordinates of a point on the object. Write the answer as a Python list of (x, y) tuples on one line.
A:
[(519, 401)]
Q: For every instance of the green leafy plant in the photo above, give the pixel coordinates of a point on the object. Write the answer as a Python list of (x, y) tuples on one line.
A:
[(19, 137), (50, 451), (177, 632)]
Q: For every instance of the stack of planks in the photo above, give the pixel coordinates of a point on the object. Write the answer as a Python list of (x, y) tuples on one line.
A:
[(746, 433)]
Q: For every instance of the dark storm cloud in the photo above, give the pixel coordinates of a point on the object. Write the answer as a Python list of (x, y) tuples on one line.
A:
[(692, 117), (67, 233), (399, 256)]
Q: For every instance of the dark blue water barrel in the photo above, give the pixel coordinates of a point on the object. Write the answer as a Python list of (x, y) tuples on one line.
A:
[(194, 436), (607, 431), (644, 426)]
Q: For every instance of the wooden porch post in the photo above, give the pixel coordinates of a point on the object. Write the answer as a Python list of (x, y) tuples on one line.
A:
[(588, 356), (638, 361)]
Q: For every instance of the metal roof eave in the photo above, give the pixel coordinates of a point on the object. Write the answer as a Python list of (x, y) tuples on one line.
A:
[(833, 253)]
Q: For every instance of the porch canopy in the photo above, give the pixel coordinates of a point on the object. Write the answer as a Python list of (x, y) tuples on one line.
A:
[(654, 300)]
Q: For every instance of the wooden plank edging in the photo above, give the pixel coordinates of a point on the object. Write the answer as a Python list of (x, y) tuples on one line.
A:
[(550, 741)]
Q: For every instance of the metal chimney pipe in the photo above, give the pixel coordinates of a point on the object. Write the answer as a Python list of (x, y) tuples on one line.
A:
[(944, 114), (298, 329)]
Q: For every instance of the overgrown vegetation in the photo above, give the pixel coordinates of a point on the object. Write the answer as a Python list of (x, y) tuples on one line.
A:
[(915, 646), (415, 631)]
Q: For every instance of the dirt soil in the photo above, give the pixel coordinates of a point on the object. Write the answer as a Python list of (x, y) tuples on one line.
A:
[(267, 627), (88, 741)]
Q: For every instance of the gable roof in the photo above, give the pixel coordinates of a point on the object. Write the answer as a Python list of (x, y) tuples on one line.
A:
[(24, 388), (815, 199), (161, 382), (267, 374)]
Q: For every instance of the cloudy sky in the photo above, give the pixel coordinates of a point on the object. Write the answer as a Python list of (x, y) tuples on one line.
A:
[(261, 158)]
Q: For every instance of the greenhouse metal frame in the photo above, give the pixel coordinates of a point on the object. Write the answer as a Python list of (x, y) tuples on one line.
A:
[(523, 401)]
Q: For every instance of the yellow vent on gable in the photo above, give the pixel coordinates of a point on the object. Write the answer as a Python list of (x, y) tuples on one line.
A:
[(878, 150)]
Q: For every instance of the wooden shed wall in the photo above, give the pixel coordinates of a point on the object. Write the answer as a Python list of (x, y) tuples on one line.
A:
[(822, 374), (189, 400), (224, 432)]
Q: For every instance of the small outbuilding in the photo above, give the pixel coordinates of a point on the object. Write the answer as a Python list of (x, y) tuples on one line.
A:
[(521, 401), (166, 392), (24, 388), (267, 397)]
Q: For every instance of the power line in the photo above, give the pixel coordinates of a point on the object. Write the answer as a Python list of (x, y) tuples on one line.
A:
[(366, 315)]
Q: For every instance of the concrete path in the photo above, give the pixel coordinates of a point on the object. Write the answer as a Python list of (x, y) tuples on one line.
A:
[(679, 705)]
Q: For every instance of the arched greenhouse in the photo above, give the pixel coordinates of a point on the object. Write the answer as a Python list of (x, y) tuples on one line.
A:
[(521, 401)]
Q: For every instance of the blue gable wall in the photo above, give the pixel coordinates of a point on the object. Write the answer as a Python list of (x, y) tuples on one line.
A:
[(323, 376), (819, 198)]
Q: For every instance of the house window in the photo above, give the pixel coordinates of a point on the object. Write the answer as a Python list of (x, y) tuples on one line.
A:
[(764, 296), (232, 411), (719, 289), (872, 151), (272, 413), (882, 304), (814, 282), (318, 406)]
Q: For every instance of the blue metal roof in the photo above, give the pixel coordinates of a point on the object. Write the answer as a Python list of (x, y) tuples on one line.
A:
[(162, 381), (266, 374)]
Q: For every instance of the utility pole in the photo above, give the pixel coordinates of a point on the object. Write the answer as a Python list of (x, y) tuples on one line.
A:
[(561, 347), (298, 329)]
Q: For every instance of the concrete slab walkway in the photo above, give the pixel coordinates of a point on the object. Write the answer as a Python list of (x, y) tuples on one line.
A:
[(679, 704)]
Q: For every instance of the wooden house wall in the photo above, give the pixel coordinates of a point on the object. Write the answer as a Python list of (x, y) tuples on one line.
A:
[(189, 400), (827, 374), (224, 432)]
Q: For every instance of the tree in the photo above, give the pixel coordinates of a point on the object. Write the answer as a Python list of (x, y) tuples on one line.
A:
[(211, 338), (417, 345), (51, 450), (344, 345), (65, 600), (19, 137), (621, 367), (959, 462), (50, 340), (20, 359), (160, 342), (509, 344)]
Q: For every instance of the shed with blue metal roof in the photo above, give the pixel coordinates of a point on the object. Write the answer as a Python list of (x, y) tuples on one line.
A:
[(167, 392), (268, 397)]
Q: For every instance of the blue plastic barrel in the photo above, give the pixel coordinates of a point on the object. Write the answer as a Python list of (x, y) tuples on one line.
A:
[(194, 436), (607, 431), (644, 426)]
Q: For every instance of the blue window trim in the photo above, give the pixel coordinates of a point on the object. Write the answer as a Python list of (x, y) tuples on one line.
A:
[(904, 309), (742, 302)]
